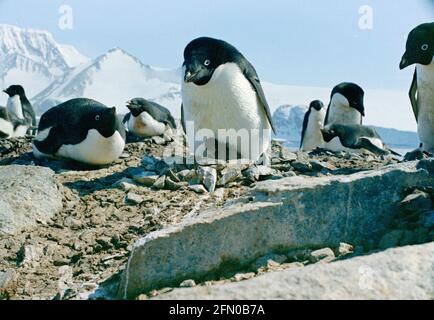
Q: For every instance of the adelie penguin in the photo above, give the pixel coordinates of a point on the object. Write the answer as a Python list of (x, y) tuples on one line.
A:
[(354, 139), (311, 135), (148, 119), (346, 104), (80, 129), (420, 51), (21, 106), (221, 92)]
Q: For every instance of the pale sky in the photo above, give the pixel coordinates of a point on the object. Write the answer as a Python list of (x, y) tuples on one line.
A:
[(297, 42)]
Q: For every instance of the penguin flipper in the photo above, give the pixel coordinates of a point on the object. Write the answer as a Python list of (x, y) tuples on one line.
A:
[(126, 118), (413, 95), (52, 143), (326, 120), (365, 143), (183, 119), (250, 73), (305, 123)]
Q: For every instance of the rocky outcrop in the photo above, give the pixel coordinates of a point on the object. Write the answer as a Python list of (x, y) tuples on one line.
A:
[(402, 273), (294, 212), (28, 195)]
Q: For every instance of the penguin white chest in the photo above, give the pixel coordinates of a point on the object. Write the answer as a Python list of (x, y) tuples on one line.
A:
[(144, 125), (313, 138), (228, 101), (341, 113), (95, 149), (425, 98), (6, 128), (14, 105)]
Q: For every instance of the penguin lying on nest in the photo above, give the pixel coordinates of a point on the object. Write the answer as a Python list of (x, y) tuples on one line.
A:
[(148, 119), (80, 129), (354, 138)]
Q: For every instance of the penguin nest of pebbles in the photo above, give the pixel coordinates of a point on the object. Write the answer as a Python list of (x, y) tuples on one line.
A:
[(105, 210)]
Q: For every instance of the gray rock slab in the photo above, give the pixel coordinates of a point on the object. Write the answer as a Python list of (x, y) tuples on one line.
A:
[(296, 212), (27, 195), (401, 273)]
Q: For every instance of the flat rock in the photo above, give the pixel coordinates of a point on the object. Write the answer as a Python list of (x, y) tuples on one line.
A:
[(288, 213), (402, 273), (28, 195)]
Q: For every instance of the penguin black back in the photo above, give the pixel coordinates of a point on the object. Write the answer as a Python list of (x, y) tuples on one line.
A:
[(74, 118)]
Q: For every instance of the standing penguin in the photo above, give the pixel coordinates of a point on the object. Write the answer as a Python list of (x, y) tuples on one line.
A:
[(148, 119), (21, 106), (346, 104), (354, 138), (420, 51), (80, 129), (221, 92), (311, 136)]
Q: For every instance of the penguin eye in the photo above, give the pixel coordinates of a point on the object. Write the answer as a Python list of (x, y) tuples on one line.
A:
[(97, 117), (425, 47), (206, 63)]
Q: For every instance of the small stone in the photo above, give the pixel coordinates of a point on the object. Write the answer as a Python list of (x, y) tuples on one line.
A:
[(8, 286), (30, 255), (322, 255), (292, 265), (198, 188), (125, 184), (259, 173), (269, 261), (286, 155), (299, 255), (133, 198), (302, 166), (244, 276), (72, 223), (158, 140), (124, 155), (171, 185), (188, 283), (320, 165), (344, 249), (416, 202), (391, 239), (187, 175), (229, 175), (208, 177), (160, 183), (147, 178)]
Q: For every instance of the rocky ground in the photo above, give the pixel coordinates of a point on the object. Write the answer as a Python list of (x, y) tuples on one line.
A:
[(106, 210)]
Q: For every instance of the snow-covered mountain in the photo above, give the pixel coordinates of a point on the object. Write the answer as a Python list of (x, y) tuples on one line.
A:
[(33, 59), (288, 121), (113, 79)]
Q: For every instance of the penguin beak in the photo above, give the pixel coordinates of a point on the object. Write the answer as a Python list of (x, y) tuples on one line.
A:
[(405, 62), (189, 76)]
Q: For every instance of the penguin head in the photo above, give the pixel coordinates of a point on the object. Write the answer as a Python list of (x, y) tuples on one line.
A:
[(330, 131), (203, 56), (353, 94), (15, 90), (104, 120), (420, 46), (316, 105), (137, 106)]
